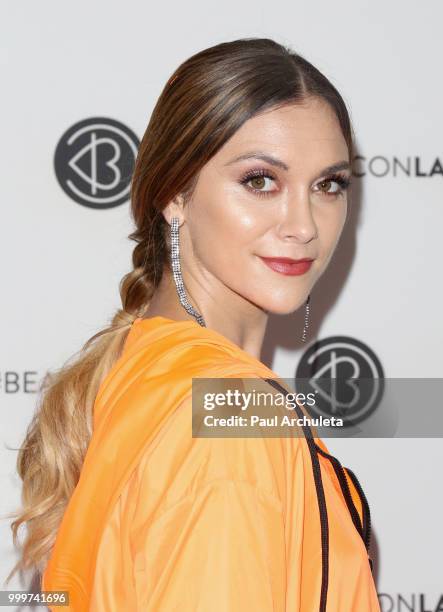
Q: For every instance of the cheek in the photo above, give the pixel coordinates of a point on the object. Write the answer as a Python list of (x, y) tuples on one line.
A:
[(226, 227), (330, 224)]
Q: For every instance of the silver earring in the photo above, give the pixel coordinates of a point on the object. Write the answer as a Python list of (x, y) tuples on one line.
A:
[(176, 272), (306, 325)]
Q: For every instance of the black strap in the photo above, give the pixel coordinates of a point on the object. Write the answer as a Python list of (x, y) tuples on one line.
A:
[(363, 527), (365, 506), (321, 499)]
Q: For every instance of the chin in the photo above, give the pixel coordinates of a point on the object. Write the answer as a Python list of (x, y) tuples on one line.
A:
[(282, 308)]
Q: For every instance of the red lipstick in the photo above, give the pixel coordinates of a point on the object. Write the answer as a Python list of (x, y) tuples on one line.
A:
[(288, 266)]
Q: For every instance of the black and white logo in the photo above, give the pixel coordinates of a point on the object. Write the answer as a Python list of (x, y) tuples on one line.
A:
[(346, 377), (94, 161)]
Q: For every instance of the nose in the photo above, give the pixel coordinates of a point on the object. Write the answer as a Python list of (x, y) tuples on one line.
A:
[(298, 222)]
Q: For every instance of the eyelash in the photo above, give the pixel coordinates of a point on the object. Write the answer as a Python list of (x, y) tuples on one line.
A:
[(342, 181)]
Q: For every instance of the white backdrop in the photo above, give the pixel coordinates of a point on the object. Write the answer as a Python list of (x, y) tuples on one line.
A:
[(63, 63)]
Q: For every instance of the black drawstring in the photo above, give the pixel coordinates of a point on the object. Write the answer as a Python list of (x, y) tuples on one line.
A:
[(321, 499), (364, 529), (338, 468), (365, 506)]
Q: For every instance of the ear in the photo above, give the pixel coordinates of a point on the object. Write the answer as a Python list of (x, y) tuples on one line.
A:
[(174, 209)]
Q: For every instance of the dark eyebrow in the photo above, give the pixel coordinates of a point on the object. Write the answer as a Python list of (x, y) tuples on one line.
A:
[(273, 161)]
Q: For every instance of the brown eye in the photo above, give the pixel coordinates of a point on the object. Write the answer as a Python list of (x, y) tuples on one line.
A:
[(325, 183), (333, 185), (258, 182)]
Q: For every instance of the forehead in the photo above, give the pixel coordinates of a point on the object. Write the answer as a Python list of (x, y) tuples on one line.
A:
[(291, 132)]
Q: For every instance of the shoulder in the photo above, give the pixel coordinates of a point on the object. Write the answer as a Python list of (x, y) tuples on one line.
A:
[(177, 464)]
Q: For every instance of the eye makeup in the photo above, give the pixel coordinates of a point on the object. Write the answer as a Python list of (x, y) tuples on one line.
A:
[(258, 173), (343, 181)]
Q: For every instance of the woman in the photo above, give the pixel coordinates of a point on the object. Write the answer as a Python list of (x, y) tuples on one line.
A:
[(246, 158)]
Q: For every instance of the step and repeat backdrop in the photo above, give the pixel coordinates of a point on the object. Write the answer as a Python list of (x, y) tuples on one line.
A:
[(79, 83)]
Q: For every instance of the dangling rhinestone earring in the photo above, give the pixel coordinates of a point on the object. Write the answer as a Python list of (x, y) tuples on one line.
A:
[(176, 272), (306, 325)]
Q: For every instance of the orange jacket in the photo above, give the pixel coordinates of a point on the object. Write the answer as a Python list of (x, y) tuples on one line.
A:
[(161, 521)]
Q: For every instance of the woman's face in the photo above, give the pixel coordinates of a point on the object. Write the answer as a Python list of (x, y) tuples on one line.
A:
[(267, 193)]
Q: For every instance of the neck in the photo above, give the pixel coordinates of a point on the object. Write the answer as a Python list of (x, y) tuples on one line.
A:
[(242, 323)]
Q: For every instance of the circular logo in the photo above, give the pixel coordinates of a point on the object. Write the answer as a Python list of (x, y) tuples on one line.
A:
[(94, 160), (346, 377)]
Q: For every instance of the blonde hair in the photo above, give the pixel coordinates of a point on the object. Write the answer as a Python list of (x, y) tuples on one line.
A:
[(51, 456), (207, 99)]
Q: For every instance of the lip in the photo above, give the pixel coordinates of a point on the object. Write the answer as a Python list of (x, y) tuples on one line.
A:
[(288, 266)]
